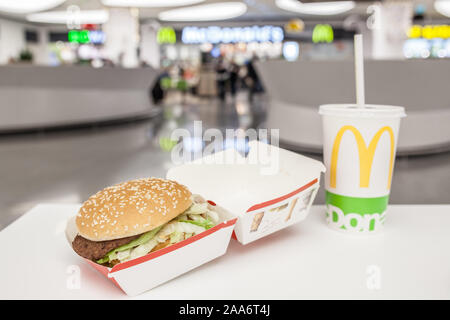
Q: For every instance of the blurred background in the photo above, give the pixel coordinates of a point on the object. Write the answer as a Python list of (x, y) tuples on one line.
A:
[(91, 90)]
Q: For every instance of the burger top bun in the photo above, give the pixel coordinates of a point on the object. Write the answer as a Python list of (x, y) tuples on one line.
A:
[(131, 208)]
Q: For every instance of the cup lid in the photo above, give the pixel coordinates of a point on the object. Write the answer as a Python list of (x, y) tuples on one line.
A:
[(369, 111)]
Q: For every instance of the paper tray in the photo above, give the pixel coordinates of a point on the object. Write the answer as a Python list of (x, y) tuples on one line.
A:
[(265, 200), (144, 273)]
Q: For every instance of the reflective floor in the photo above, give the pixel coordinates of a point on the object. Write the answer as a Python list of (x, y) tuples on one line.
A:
[(67, 167)]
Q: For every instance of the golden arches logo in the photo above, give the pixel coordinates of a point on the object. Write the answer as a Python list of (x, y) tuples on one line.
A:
[(366, 154), (322, 33), (166, 35)]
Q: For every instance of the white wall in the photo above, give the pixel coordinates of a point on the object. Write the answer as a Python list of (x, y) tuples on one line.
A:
[(40, 49), (149, 45), (121, 42), (392, 21), (12, 40)]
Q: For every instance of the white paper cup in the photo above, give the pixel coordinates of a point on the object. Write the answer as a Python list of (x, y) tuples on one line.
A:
[(359, 147)]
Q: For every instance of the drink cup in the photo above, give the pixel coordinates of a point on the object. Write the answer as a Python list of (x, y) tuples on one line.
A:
[(359, 145)]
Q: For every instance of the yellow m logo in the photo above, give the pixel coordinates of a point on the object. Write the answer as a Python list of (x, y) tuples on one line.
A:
[(322, 33), (166, 35), (366, 154)]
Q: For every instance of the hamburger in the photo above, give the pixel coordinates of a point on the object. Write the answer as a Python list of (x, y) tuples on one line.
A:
[(131, 219)]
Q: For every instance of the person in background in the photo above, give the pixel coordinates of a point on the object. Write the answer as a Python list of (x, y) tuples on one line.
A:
[(234, 75), (252, 81), (157, 91), (181, 71), (221, 78), (182, 84)]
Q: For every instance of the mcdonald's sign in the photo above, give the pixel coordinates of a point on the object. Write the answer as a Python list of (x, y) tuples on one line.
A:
[(323, 33), (166, 35), (366, 154)]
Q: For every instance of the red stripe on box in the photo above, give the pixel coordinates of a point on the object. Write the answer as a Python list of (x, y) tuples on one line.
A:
[(271, 202), (117, 285), (173, 247), (104, 271)]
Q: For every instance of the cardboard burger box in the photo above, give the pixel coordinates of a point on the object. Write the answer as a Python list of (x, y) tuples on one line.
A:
[(268, 190), (254, 196)]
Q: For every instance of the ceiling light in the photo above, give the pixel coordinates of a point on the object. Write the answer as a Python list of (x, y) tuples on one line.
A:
[(63, 17), (28, 6), (322, 8), (206, 12), (443, 7), (149, 3)]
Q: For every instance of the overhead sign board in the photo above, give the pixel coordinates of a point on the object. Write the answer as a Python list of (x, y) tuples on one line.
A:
[(214, 34)]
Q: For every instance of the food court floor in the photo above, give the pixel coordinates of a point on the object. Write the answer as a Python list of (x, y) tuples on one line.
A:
[(67, 167)]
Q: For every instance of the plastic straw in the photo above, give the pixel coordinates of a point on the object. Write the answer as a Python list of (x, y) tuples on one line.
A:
[(359, 70)]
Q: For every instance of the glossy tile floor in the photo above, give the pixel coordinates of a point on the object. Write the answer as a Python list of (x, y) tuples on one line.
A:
[(67, 167)]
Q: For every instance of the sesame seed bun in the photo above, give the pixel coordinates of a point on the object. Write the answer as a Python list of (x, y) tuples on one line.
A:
[(131, 208)]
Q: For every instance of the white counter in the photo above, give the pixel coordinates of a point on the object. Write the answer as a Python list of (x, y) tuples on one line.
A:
[(308, 260), (34, 97)]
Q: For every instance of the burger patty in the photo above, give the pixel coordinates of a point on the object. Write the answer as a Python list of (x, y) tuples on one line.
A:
[(94, 250)]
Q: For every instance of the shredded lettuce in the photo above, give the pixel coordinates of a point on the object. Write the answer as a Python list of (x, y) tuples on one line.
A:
[(189, 228), (141, 240), (123, 255), (213, 216), (176, 237), (197, 208), (201, 209), (142, 250), (204, 223)]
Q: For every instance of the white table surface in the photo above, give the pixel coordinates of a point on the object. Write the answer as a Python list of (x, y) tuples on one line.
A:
[(308, 260)]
